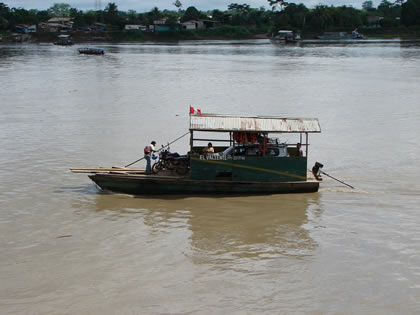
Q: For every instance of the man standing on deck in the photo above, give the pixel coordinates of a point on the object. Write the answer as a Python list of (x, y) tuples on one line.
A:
[(148, 151)]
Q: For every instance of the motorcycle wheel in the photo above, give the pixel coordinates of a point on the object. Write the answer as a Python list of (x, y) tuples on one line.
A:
[(169, 165), (157, 167), (182, 169)]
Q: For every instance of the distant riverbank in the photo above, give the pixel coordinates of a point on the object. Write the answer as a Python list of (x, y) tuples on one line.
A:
[(220, 33)]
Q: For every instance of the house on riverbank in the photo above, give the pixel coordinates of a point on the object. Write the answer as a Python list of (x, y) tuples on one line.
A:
[(374, 21), (25, 28), (57, 24), (135, 27), (199, 24)]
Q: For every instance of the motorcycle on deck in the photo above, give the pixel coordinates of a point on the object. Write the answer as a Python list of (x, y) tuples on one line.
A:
[(182, 164), (171, 161)]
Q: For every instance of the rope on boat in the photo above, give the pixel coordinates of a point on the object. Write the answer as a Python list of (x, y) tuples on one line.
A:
[(159, 149)]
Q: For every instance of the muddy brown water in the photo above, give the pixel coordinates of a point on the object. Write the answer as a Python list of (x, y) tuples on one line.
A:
[(67, 248)]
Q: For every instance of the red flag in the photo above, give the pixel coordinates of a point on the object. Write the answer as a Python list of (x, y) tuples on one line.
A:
[(191, 110), (198, 111)]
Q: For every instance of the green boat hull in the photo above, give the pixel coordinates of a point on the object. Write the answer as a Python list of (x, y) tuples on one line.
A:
[(156, 185)]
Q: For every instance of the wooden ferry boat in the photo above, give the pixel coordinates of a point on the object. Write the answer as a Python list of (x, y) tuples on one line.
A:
[(249, 160)]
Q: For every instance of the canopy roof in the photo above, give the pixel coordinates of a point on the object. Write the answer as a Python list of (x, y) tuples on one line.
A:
[(212, 122)]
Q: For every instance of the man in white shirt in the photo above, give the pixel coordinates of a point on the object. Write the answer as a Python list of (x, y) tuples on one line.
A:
[(148, 151)]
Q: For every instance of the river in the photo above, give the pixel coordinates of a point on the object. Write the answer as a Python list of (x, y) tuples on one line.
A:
[(67, 248)]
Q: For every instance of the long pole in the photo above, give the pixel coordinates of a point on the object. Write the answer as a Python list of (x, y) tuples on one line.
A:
[(159, 149), (337, 179)]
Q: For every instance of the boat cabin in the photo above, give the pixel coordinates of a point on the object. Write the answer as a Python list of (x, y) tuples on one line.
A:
[(64, 40), (286, 36), (250, 148)]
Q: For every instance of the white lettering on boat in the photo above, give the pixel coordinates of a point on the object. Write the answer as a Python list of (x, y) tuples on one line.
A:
[(213, 157)]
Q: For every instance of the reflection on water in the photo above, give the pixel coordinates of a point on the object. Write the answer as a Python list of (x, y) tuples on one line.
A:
[(266, 227)]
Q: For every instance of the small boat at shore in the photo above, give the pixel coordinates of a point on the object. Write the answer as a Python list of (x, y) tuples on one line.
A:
[(286, 36), (248, 161), (64, 42), (91, 51), (341, 35)]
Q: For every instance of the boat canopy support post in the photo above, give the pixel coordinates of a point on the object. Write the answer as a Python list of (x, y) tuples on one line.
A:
[(191, 140), (307, 144)]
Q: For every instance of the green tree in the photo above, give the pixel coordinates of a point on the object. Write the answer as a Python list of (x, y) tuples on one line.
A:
[(91, 17), (367, 5), (296, 14), (132, 17), (347, 17), (410, 13), (218, 15), (239, 8), (277, 3), (281, 21), (389, 9), (79, 18), (142, 18), (259, 18), (178, 4), (111, 7), (238, 13), (21, 16), (43, 15), (4, 12), (172, 19), (321, 18), (112, 16), (4, 9), (60, 10), (153, 15), (192, 14)]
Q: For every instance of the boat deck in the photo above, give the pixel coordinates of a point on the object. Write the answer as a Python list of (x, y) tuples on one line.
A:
[(141, 173), (134, 172)]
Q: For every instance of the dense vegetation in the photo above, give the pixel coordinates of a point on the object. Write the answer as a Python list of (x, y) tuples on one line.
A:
[(238, 20)]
